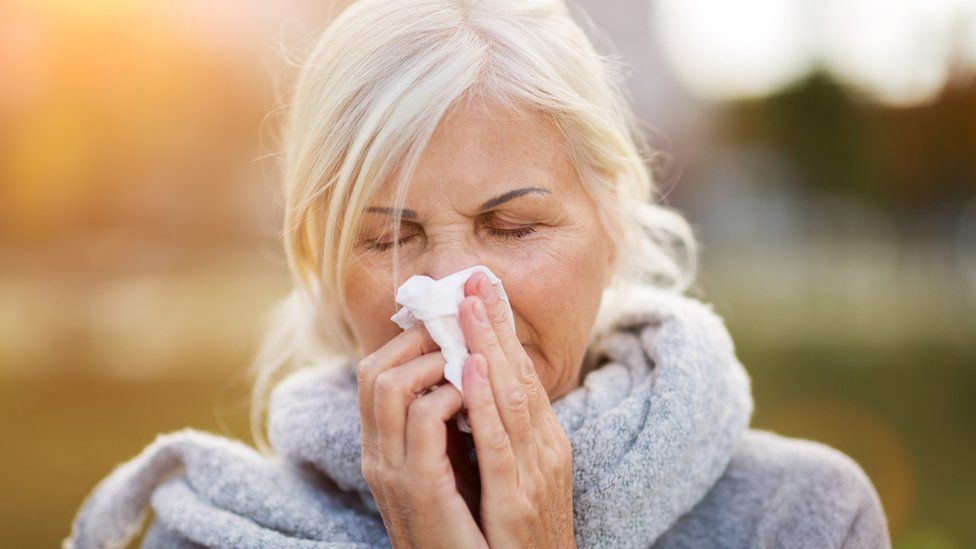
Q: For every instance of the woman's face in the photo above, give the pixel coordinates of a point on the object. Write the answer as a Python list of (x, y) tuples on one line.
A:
[(494, 186)]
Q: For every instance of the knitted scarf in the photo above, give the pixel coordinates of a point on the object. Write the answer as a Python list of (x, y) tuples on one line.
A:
[(652, 426)]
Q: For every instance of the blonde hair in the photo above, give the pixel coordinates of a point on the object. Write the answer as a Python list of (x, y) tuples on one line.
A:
[(367, 98)]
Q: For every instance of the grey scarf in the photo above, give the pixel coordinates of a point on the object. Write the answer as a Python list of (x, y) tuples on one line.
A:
[(653, 426)]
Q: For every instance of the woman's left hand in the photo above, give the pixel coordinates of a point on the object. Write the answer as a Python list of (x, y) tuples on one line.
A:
[(524, 455)]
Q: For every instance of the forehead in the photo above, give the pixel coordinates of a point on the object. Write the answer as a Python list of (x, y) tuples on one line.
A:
[(482, 148)]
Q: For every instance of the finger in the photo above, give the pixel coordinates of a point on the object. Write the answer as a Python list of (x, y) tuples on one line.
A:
[(480, 285), (407, 345), (393, 391), (509, 392), (499, 316), (426, 429), (496, 456)]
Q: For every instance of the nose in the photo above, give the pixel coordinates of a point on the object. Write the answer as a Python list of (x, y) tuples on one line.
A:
[(444, 258)]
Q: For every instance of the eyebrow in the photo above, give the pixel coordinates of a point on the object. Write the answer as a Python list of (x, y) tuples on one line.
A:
[(490, 203), (406, 214), (502, 198)]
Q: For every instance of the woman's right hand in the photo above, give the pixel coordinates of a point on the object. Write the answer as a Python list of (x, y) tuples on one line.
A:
[(405, 461)]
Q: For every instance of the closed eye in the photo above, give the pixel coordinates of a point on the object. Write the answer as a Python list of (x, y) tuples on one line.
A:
[(512, 234)]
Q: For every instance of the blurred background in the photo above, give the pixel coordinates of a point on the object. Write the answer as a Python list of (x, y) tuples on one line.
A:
[(825, 150)]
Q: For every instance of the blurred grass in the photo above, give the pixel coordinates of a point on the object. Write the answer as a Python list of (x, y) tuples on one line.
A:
[(65, 434), (906, 415)]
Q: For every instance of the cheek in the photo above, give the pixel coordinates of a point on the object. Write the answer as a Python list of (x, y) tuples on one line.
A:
[(558, 274), (369, 306), (556, 290)]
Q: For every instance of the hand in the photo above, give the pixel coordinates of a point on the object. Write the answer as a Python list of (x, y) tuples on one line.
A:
[(405, 461), (524, 455)]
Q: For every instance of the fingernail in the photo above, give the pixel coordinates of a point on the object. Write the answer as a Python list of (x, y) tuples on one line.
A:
[(479, 311), (486, 290), (482, 366)]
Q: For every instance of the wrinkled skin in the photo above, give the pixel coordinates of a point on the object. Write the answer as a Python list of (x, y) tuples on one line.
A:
[(554, 259)]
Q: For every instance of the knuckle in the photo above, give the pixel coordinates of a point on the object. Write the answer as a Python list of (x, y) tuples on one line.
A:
[(557, 450), (557, 457), (498, 440), (491, 342), (527, 367), (421, 409), (364, 369), (440, 489), (497, 313), (501, 464), (529, 506), (517, 399), (386, 385), (538, 392), (430, 486)]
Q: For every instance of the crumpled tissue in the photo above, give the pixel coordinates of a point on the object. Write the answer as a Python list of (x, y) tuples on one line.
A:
[(436, 303)]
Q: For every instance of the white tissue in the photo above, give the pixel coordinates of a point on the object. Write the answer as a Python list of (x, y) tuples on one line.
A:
[(436, 303)]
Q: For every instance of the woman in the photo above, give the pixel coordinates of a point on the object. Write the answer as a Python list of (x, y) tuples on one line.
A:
[(424, 137)]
